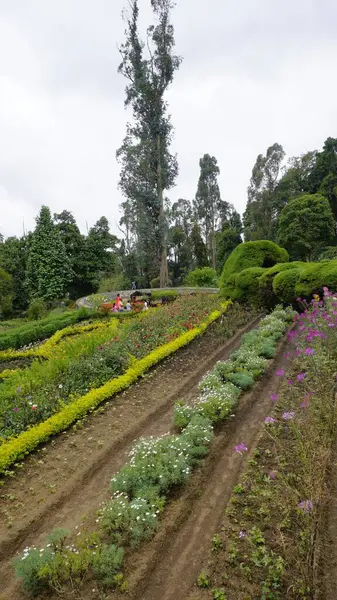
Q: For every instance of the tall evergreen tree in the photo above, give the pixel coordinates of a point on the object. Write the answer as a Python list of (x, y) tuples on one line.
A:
[(210, 210), (13, 259), (48, 266), (260, 217), (148, 167), (74, 243)]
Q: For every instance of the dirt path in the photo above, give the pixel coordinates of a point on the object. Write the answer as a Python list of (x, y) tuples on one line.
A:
[(167, 567), (329, 539), (69, 477)]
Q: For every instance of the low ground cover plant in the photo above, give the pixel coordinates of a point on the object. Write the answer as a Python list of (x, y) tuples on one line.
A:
[(80, 365), (272, 531), (221, 388)]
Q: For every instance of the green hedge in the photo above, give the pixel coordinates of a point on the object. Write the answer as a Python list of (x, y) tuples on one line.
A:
[(262, 253), (269, 298), (29, 333), (314, 276), (284, 284), (247, 285), (164, 294)]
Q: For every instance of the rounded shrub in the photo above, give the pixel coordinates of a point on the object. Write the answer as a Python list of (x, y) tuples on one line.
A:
[(247, 285), (263, 254), (314, 276), (267, 293), (284, 284), (37, 309), (204, 277)]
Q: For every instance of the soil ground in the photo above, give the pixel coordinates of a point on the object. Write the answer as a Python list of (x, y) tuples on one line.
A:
[(69, 477)]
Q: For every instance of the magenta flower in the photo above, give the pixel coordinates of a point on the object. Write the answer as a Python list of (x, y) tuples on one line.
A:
[(309, 351), (306, 506), (287, 416), (301, 376), (34, 406), (241, 448), (331, 325), (274, 397), (272, 474), (290, 382), (100, 347), (269, 420), (280, 372), (297, 352), (16, 409)]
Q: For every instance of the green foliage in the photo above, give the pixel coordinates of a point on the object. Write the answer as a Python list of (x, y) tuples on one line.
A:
[(314, 276), (306, 223), (243, 380), (164, 295), (284, 284), (114, 283), (48, 267), (37, 309), (268, 297), (107, 562), (247, 286), (330, 253), (148, 168), (6, 291), (263, 254), (205, 277), (261, 213), (13, 259), (28, 333)]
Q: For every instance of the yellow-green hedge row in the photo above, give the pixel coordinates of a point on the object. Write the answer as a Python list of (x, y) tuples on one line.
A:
[(46, 350), (14, 449)]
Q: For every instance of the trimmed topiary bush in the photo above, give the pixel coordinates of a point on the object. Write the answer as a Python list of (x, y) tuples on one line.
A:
[(262, 254), (284, 284), (247, 286), (314, 276), (267, 293)]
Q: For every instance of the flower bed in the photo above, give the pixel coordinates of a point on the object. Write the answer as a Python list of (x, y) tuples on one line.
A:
[(269, 541), (141, 488), (12, 449)]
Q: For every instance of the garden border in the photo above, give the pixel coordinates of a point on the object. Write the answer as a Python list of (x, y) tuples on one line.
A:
[(20, 446)]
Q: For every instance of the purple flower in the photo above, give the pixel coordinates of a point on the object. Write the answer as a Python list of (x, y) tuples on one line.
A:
[(269, 420), (242, 534), (331, 325), (309, 351), (241, 448), (16, 409), (100, 347), (301, 376), (290, 382), (287, 416), (272, 474), (274, 397), (297, 352), (280, 372), (306, 506)]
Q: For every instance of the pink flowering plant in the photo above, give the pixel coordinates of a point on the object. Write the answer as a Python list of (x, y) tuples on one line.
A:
[(285, 489)]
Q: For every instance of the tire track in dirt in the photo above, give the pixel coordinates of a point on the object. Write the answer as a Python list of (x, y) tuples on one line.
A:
[(167, 567), (84, 490)]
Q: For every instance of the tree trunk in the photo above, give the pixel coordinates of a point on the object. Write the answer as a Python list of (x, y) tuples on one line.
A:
[(162, 234), (213, 251)]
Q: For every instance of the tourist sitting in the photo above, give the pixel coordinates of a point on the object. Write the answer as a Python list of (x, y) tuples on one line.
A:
[(114, 308), (146, 306), (128, 306)]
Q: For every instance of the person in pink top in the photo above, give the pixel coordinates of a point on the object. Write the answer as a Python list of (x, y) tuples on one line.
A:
[(118, 301)]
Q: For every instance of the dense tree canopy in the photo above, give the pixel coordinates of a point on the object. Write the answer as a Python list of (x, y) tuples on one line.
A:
[(306, 223)]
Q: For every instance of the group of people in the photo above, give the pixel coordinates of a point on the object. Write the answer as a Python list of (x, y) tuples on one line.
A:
[(118, 306)]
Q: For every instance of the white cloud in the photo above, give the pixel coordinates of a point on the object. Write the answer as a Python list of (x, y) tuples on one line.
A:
[(254, 73)]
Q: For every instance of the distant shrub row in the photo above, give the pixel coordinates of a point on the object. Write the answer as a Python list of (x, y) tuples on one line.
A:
[(28, 333), (260, 274)]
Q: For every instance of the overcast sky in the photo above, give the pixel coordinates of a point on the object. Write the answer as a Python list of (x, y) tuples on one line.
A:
[(255, 72)]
